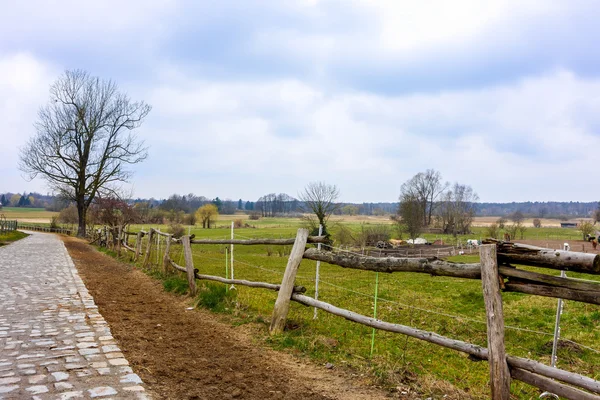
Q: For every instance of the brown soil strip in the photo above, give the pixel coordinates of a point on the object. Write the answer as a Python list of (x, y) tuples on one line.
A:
[(182, 354)]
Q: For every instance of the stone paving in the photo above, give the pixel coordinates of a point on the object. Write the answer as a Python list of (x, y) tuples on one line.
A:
[(54, 344)]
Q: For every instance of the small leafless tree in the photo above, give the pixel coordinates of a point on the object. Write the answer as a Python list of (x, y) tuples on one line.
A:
[(320, 198), (457, 209), (84, 140)]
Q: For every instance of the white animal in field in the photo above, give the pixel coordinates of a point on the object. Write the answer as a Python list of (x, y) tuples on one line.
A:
[(472, 242), (566, 247)]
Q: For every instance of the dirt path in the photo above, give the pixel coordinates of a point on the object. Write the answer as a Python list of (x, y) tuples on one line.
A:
[(182, 354)]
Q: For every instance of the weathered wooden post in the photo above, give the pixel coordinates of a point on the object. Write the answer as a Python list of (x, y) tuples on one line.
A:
[(119, 238), (148, 247), (282, 304), (189, 264), (166, 258), (138, 245), (490, 281)]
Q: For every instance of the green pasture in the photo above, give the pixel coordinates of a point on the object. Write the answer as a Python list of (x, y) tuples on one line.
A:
[(27, 213), (10, 236), (448, 306)]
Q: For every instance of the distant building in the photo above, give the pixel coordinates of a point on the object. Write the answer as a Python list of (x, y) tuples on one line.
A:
[(568, 224)]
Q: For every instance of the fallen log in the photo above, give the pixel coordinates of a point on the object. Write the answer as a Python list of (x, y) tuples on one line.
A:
[(431, 266)]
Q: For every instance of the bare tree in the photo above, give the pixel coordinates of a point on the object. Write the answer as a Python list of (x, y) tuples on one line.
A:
[(320, 198), (425, 187), (457, 209), (84, 140)]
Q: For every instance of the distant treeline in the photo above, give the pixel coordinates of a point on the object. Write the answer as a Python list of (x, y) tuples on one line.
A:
[(282, 204)]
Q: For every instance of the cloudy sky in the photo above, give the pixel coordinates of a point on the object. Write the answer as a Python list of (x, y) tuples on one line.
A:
[(253, 97)]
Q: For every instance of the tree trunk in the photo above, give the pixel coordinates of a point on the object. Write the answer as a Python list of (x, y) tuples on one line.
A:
[(81, 211)]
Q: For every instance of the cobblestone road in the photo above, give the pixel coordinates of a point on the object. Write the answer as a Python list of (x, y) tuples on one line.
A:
[(53, 342)]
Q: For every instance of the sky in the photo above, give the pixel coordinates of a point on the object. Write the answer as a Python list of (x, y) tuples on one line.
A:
[(256, 97)]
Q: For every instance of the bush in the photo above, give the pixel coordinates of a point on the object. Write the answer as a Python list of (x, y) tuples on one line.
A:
[(370, 235), (492, 231), (501, 222), (537, 223), (190, 219), (176, 230), (238, 223), (344, 236), (254, 215), (54, 222), (215, 297)]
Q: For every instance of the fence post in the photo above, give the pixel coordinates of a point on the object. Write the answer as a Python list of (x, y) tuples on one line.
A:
[(189, 264), (138, 245), (119, 238), (148, 247), (282, 304), (317, 273), (499, 373), (166, 256), (231, 254)]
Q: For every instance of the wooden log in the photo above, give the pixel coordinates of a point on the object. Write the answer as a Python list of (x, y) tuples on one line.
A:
[(516, 253), (393, 264), (262, 285), (119, 241), (148, 247), (551, 280), (166, 257), (477, 352), (138, 245), (551, 386), (310, 239), (554, 373), (162, 233), (282, 304), (499, 373), (189, 264), (177, 266), (127, 247), (553, 291)]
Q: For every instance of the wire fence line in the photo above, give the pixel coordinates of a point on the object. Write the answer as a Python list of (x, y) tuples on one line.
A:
[(371, 297)]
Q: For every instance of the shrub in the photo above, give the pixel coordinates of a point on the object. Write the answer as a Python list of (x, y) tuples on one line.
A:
[(537, 223), (254, 215), (501, 222), (176, 230), (238, 223), (54, 222), (492, 231), (344, 236), (215, 297), (190, 219), (370, 235)]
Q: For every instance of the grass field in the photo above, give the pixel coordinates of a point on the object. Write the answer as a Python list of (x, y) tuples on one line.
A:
[(10, 236), (28, 215), (448, 306)]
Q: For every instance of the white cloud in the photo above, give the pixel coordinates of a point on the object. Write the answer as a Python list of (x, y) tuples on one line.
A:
[(24, 84), (283, 134)]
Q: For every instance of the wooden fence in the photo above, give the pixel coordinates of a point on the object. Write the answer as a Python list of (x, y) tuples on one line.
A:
[(7, 225), (45, 229), (495, 272)]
